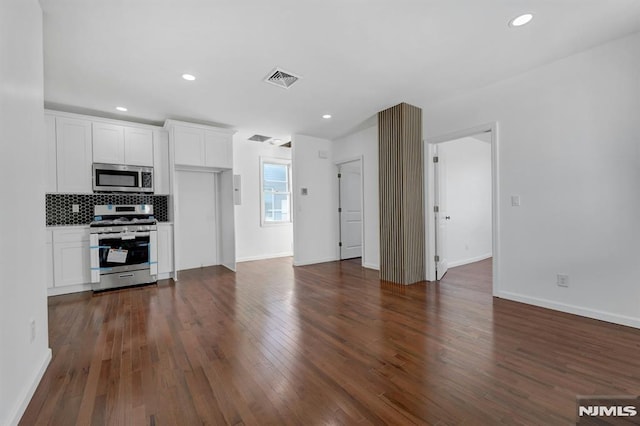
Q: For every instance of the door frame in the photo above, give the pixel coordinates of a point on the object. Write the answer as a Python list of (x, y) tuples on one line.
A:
[(492, 127), (337, 165)]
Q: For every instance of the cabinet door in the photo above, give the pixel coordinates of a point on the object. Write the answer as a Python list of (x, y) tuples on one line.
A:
[(51, 163), (108, 143), (161, 162), (218, 151), (189, 146), (165, 249), (74, 155), (138, 146), (71, 264)]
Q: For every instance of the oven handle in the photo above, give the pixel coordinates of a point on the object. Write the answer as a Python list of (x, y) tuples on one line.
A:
[(125, 275), (123, 236)]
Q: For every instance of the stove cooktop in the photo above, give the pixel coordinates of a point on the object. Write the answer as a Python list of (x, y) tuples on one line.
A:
[(122, 221)]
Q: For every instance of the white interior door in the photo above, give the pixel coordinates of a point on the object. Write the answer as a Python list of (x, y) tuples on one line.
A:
[(441, 215), (350, 210), (197, 239)]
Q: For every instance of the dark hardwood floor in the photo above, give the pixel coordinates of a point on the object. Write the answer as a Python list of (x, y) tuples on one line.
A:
[(323, 344)]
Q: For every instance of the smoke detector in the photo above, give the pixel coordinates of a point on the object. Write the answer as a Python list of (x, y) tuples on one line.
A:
[(259, 138), (281, 78)]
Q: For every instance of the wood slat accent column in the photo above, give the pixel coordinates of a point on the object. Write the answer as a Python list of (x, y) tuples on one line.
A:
[(401, 178)]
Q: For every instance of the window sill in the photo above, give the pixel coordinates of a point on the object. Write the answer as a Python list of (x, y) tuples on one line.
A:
[(275, 224)]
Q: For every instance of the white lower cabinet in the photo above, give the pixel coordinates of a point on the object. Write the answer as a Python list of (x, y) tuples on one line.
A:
[(69, 264), (71, 257), (165, 249)]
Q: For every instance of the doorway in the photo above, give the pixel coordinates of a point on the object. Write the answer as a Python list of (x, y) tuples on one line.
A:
[(350, 209), (462, 193)]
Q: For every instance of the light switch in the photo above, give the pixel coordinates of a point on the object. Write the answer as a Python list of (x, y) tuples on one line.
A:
[(304, 191), (515, 201)]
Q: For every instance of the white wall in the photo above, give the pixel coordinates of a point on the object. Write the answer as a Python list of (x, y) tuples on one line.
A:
[(315, 223), (364, 143), (23, 293), (568, 146), (254, 241), (465, 168)]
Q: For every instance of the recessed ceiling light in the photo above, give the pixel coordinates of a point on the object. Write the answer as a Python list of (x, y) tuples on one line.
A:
[(123, 109), (521, 20), (188, 77), (326, 116)]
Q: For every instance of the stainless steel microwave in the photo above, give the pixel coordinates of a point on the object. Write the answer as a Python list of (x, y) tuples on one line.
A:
[(122, 178)]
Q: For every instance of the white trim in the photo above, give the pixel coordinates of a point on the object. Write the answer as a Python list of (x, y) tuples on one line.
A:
[(493, 127), (313, 262), (25, 398), (374, 266), (170, 123), (571, 309), (200, 169), (265, 257), (98, 119), (469, 260)]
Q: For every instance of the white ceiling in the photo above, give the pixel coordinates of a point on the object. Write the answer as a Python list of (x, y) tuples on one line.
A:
[(356, 57)]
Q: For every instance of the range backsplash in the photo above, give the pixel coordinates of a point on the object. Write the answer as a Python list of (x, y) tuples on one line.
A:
[(60, 206)]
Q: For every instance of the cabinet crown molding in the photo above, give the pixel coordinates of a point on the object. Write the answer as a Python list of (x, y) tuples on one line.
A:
[(170, 124)]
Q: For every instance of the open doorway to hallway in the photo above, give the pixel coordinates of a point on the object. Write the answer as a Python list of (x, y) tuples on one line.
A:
[(461, 207)]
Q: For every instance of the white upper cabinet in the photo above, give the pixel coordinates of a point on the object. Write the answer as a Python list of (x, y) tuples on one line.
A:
[(114, 144), (218, 150), (108, 143), (189, 146), (201, 146), (51, 184), (138, 146), (73, 154), (161, 162)]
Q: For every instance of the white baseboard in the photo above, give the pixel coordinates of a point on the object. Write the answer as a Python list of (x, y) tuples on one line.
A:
[(571, 309), (469, 260), (264, 257), (371, 266), (313, 262), (25, 398)]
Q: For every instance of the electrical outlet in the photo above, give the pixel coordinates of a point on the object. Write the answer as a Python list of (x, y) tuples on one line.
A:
[(563, 280), (32, 326), (75, 208)]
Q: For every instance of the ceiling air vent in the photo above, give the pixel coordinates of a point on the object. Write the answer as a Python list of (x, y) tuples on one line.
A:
[(259, 138), (281, 78)]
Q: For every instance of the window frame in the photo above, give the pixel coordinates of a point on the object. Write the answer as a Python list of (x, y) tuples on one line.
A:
[(281, 162)]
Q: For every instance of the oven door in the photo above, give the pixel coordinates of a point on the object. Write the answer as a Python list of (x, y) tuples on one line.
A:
[(121, 252)]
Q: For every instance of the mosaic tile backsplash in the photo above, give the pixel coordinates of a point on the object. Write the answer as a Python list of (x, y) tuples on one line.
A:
[(60, 206)]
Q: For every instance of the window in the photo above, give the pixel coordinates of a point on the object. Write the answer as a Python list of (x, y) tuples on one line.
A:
[(276, 191)]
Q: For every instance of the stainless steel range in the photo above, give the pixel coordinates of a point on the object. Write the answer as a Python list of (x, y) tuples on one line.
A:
[(124, 246)]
